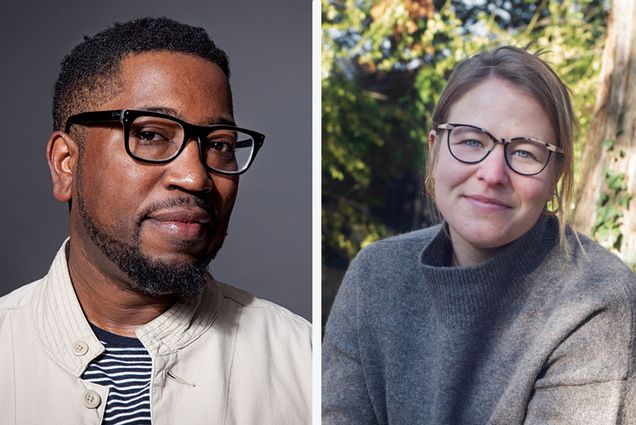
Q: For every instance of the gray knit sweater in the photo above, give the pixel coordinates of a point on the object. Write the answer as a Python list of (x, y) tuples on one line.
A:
[(527, 337)]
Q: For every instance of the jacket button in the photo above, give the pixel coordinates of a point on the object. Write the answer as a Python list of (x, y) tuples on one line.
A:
[(80, 348), (91, 399)]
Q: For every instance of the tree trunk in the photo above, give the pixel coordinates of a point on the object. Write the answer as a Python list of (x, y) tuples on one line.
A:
[(607, 180)]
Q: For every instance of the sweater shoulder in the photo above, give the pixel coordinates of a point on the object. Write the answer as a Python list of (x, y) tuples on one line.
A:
[(593, 271), (417, 236), (400, 245), (599, 264), (389, 260)]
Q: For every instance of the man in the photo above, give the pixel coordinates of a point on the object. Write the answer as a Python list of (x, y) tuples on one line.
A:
[(128, 326)]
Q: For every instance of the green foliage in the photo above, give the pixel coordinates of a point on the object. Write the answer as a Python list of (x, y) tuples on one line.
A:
[(613, 204), (385, 63)]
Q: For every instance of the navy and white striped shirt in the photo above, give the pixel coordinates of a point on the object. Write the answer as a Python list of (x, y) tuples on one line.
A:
[(125, 367)]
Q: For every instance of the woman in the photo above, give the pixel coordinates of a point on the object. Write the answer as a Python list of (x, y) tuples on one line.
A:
[(500, 315)]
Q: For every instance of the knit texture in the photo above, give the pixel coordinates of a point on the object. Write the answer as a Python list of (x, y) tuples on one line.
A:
[(527, 337)]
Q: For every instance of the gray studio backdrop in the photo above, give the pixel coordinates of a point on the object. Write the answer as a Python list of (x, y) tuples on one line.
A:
[(268, 249)]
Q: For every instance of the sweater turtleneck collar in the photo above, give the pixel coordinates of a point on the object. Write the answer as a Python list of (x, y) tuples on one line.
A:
[(465, 294)]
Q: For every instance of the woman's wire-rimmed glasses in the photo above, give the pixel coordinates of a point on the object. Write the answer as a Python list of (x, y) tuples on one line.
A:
[(524, 155), (158, 138)]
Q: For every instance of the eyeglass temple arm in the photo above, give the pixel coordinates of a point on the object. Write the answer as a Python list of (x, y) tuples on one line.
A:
[(243, 144), (550, 146), (90, 117)]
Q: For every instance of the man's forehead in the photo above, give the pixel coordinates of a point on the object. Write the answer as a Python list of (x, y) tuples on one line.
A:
[(142, 64), (175, 84)]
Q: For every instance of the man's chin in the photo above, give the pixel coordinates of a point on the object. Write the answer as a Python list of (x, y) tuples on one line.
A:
[(180, 273), (158, 278)]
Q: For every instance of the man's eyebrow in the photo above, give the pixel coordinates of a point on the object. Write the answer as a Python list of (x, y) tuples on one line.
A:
[(220, 119), (162, 110)]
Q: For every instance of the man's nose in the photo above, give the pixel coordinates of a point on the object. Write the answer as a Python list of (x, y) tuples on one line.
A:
[(493, 170), (187, 171)]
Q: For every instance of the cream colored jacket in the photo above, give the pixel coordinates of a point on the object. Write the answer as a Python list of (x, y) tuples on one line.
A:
[(228, 359)]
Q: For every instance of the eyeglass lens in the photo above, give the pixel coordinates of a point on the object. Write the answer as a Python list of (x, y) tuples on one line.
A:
[(471, 145), (160, 139)]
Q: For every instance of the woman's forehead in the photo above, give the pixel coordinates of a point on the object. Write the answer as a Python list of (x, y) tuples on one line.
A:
[(504, 109)]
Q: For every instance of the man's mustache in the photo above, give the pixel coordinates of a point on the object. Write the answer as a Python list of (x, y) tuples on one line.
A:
[(182, 201)]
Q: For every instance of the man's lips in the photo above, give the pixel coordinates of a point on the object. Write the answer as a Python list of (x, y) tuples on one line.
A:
[(183, 223), (184, 215), (487, 203)]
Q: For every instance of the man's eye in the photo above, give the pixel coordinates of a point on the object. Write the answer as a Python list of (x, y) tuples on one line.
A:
[(150, 136), (223, 147)]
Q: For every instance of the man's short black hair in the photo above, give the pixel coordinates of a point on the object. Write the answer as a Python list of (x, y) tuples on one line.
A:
[(89, 74)]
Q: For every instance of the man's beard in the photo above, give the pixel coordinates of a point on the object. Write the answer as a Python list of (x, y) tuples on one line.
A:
[(148, 276)]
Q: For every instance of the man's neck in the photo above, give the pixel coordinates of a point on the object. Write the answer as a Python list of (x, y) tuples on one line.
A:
[(108, 301)]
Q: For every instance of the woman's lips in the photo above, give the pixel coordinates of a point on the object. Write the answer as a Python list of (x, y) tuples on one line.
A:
[(486, 203)]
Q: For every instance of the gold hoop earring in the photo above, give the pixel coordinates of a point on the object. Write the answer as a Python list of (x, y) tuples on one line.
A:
[(554, 204)]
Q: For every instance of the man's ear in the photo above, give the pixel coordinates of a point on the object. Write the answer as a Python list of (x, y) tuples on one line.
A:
[(62, 154)]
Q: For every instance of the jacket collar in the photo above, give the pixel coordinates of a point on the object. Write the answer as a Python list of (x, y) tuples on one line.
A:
[(67, 336)]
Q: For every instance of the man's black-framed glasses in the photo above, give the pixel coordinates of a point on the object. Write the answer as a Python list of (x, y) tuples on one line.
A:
[(469, 144), (158, 138)]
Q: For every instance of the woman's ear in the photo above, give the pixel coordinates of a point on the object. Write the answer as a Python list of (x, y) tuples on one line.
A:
[(432, 139), (62, 153), (557, 173)]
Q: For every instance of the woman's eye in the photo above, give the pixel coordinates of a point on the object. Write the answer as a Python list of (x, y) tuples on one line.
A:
[(523, 154), (473, 143)]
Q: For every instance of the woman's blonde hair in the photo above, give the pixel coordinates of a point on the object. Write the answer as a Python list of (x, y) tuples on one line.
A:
[(527, 72)]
